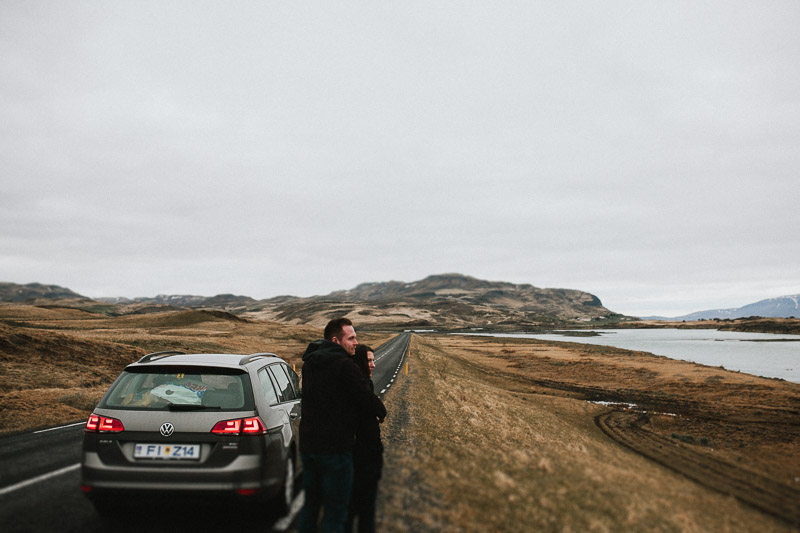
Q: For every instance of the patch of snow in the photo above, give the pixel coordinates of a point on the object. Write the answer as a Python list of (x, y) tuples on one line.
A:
[(628, 405)]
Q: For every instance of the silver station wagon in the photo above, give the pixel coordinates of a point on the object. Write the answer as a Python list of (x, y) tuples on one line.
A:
[(195, 424)]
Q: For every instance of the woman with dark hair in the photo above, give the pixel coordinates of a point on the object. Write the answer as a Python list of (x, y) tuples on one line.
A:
[(367, 457)]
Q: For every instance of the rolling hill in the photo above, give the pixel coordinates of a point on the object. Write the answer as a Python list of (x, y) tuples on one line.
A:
[(438, 301), (445, 300), (14, 292)]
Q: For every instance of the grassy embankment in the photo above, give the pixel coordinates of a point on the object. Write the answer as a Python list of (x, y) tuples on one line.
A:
[(496, 435)]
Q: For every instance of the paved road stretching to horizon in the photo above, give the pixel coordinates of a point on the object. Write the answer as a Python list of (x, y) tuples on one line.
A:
[(389, 359), (40, 477)]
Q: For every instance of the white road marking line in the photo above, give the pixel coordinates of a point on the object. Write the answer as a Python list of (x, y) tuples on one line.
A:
[(61, 427), (37, 479), (284, 523)]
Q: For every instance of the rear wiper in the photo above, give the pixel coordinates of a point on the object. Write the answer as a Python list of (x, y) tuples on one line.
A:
[(190, 407)]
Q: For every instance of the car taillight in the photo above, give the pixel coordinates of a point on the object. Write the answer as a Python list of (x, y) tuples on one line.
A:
[(227, 427), (240, 426), (103, 424), (253, 426)]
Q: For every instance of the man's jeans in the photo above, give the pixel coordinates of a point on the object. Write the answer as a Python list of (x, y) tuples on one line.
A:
[(327, 482)]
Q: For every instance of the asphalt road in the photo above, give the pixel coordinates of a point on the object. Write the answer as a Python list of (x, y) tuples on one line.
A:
[(389, 359), (40, 477)]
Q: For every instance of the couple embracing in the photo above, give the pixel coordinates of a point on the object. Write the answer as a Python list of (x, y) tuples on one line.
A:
[(339, 433)]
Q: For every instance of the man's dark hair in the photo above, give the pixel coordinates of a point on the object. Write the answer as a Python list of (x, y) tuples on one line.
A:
[(360, 358), (335, 328)]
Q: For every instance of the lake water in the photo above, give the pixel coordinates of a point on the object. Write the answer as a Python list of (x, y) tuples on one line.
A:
[(761, 354)]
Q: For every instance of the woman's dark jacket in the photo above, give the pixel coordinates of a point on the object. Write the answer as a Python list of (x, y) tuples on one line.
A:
[(336, 394), (368, 449)]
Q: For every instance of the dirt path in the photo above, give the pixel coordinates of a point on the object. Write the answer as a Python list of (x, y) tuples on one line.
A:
[(763, 493)]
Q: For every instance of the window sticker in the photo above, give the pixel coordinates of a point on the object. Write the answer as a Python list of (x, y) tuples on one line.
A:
[(181, 391)]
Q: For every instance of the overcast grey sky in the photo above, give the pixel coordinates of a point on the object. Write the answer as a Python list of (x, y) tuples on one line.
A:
[(646, 152)]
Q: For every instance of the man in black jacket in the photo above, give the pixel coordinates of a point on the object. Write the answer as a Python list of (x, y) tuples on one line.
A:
[(334, 394)]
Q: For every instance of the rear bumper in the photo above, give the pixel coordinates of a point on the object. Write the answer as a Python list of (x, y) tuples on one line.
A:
[(246, 472)]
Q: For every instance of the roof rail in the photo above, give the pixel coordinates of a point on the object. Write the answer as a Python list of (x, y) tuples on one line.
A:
[(158, 355), (253, 356)]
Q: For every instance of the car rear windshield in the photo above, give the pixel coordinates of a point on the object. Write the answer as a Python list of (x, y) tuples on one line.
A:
[(171, 387)]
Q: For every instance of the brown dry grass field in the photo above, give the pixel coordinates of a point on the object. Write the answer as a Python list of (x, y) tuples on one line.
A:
[(483, 434), (56, 363), (498, 435)]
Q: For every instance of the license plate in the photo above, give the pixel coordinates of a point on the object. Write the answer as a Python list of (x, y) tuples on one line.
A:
[(167, 451)]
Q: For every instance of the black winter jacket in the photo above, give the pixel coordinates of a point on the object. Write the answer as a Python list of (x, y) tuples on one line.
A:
[(335, 394), (368, 449)]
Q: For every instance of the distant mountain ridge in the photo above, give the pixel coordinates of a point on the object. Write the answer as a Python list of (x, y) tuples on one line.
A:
[(185, 300), (444, 300), (14, 292), (454, 300), (780, 307), (460, 286)]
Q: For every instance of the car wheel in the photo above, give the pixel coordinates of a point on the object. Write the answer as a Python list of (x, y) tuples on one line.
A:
[(287, 493)]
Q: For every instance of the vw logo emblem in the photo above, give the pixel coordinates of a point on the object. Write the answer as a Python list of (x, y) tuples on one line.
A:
[(167, 429)]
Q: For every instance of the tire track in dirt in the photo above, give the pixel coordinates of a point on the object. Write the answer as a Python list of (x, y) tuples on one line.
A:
[(767, 495)]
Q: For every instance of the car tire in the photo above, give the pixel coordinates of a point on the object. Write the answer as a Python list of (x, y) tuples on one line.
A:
[(286, 496)]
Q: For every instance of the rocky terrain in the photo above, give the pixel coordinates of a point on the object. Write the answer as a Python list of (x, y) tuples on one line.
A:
[(451, 301)]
